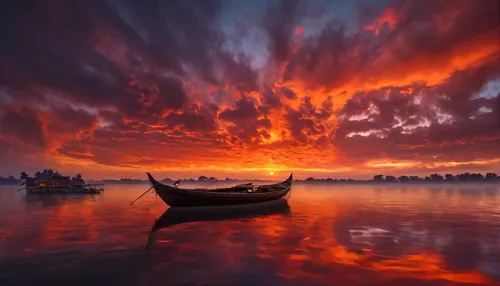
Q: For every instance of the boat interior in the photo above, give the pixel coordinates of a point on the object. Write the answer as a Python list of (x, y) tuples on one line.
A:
[(245, 188)]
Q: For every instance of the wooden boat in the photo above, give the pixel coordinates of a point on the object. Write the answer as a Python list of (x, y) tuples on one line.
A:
[(236, 195)]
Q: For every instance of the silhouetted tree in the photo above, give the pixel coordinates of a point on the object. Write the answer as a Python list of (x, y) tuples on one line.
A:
[(415, 178), (390, 179), (38, 174), (404, 179), (23, 176), (329, 180), (437, 177), (378, 178), (449, 177), (491, 176), (463, 177), (212, 179), (476, 177), (428, 179), (202, 178), (78, 181), (50, 172), (310, 179)]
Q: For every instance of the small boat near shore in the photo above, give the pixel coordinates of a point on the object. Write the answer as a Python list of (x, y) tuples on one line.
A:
[(235, 195)]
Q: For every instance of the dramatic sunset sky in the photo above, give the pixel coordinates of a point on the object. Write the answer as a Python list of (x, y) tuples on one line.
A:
[(241, 88)]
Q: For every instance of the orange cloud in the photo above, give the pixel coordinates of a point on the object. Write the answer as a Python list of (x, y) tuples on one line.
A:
[(339, 102)]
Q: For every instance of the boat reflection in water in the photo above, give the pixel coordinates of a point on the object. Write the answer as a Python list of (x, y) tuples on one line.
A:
[(325, 235), (175, 216)]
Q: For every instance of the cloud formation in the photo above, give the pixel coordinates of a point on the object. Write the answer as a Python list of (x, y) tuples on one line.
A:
[(119, 85)]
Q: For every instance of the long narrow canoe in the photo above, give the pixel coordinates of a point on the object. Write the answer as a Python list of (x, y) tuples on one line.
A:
[(236, 195)]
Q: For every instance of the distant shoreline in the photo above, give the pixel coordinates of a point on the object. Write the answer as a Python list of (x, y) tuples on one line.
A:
[(434, 179), (312, 182), (370, 182)]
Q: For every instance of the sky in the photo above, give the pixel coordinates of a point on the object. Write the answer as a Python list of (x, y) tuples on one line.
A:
[(240, 89)]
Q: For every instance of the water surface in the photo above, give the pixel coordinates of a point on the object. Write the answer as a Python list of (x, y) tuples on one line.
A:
[(324, 235)]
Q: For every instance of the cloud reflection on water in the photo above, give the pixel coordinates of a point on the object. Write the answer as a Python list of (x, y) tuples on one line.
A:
[(324, 235)]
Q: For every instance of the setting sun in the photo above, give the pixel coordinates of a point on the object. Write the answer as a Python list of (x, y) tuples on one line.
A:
[(271, 173)]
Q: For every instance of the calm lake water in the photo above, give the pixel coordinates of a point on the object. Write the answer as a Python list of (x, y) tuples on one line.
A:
[(323, 235)]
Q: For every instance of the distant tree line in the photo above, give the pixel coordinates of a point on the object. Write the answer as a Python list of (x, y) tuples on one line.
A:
[(311, 179), (464, 177)]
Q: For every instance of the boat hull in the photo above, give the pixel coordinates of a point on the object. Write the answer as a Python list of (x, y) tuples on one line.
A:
[(176, 197)]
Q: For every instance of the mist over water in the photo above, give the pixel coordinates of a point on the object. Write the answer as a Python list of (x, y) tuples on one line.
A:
[(324, 235)]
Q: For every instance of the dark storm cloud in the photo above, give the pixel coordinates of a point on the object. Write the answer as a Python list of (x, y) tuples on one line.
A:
[(247, 119), (279, 23), (288, 93), (127, 61), (432, 27), (99, 79), (238, 73), (23, 124), (38, 49), (198, 118), (323, 113), (269, 98), (308, 120), (171, 92), (415, 35), (462, 86), (245, 112), (64, 120), (90, 51), (447, 121)]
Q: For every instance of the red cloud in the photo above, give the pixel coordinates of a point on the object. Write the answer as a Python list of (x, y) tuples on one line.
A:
[(169, 87)]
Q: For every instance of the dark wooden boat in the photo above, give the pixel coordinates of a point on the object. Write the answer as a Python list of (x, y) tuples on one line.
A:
[(236, 195)]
